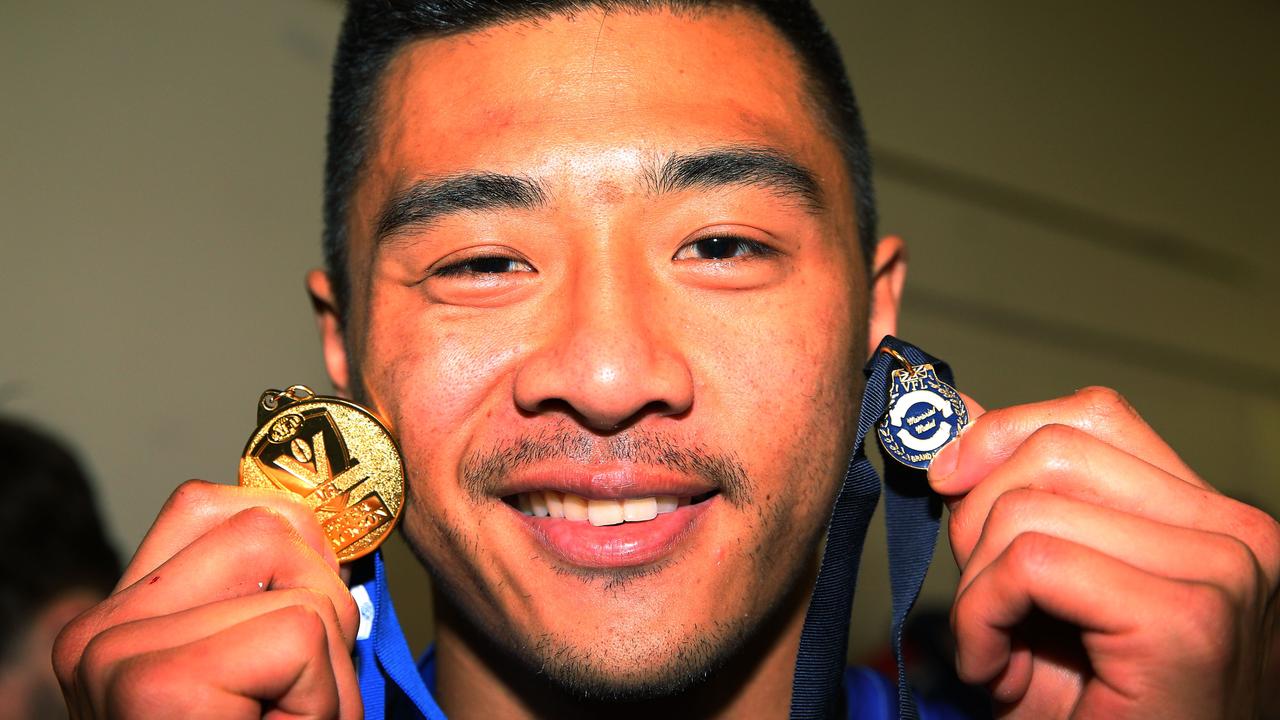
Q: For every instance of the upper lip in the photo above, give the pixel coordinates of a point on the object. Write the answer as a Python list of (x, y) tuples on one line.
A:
[(605, 482)]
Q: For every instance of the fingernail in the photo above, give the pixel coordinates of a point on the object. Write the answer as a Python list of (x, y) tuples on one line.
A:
[(944, 463)]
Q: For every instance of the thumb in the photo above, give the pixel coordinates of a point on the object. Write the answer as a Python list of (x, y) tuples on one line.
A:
[(949, 456)]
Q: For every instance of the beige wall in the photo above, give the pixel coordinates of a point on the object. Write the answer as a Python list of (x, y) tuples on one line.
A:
[(1089, 194)]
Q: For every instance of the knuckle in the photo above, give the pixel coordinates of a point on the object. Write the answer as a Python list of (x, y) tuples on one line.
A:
[(304, 627), (310, 597), (1011, 507), (348, 611), (68, 650), (1032, 553), (1054, 448), (260, 523), (1237, 561), (1105, 401), (1054, 439), (1261, 534), (1204, 621), (98, 655), (189, 496)]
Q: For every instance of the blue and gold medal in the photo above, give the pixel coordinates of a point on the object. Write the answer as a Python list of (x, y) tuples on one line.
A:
[(924, 414)]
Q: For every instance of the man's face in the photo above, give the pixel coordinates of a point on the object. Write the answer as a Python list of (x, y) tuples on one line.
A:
[(610, 259)]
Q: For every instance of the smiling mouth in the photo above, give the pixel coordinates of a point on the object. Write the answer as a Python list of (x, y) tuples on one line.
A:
[(600, 512)]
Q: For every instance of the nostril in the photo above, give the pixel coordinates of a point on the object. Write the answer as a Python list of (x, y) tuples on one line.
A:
[(602, 423)]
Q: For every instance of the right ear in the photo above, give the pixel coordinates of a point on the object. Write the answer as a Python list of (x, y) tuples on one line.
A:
[(329, 322), (888, 274)]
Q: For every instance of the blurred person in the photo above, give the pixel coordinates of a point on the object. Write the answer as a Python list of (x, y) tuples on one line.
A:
[(617, 251), (55, 563)]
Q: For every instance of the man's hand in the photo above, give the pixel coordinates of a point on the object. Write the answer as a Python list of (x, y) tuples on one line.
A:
[(231, 608), (1101, 578)]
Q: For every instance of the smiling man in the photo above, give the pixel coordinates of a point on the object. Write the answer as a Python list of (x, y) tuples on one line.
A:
[(609, 269)]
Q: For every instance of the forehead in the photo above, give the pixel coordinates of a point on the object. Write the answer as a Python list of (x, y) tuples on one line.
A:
[(524, 96)]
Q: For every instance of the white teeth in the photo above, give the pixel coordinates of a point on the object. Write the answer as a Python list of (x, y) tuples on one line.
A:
[(575, 507), (555, 503), (549, 503), (604, 512), (639, 509), (539, 503)]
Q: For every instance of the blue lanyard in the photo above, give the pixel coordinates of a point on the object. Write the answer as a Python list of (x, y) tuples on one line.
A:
[(911, 514), (382, 653)]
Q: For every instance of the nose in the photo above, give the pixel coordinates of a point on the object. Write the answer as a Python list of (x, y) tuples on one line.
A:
[(611, 358)]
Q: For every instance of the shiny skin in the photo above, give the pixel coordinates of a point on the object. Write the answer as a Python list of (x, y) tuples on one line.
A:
[(608, 319), (610, 323)]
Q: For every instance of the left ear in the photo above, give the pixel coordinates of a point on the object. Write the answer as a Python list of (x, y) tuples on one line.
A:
[(329, 323), (888, 274)]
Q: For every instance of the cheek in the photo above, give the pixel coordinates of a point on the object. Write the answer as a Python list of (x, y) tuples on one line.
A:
[(792, 392), (437, 384)]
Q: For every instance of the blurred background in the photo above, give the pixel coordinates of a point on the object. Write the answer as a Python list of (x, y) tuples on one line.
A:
[(1089, 192)]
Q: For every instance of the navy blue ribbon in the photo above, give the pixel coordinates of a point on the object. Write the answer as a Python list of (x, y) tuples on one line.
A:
[(911, 516)]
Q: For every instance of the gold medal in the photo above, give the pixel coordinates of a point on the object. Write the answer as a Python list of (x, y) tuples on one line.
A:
[(336, 457)]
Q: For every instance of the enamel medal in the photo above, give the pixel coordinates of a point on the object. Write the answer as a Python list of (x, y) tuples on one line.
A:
[(335, 457), (924, 414)]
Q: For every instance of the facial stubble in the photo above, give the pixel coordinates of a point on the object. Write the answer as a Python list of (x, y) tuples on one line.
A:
[(664, 660)]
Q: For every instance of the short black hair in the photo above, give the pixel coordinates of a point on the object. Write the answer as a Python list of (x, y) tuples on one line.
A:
[(375, 29), (53, 539)]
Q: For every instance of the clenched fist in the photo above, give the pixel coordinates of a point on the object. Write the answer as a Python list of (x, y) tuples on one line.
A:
[(231, 608), (1101, 577)]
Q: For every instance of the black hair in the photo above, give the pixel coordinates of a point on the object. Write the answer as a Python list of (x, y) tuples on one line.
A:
[(375, 29), (52, 538)]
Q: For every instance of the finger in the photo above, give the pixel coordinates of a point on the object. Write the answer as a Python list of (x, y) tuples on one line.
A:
[(974, 410), (1069, 462), (279, 661), (197, 507), (1100, 412), (108, 650), (1206, 553), (254, 551), (1114, 605)]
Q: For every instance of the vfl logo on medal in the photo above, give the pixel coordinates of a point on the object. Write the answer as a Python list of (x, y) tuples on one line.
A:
[(307, 456), (924, 415)]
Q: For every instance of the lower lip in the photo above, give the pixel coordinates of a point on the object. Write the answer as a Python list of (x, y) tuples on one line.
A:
[(580, 543)]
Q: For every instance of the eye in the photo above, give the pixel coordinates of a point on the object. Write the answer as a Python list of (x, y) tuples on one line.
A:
[(482, 265), (722, 247)]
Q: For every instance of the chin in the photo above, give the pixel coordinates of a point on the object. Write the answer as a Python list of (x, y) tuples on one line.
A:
[(636, 666)]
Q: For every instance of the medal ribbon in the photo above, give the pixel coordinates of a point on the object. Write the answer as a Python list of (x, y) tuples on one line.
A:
[(911, 517), (382, 654)]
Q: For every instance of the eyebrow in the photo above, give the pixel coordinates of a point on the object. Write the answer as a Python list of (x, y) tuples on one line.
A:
[(426, 201), (740, 165)]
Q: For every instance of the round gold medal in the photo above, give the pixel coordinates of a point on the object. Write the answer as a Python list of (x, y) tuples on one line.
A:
[(336, 457)]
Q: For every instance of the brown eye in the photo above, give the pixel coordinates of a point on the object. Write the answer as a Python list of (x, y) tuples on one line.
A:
[(485, 265), (721, 247)]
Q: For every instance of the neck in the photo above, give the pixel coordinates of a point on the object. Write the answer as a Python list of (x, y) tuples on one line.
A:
[(477, 679)]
